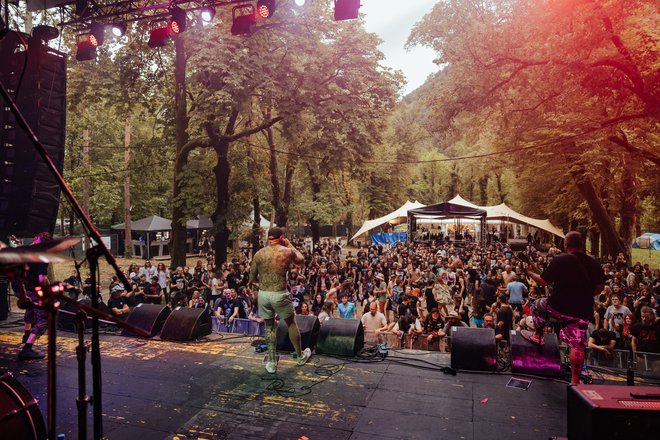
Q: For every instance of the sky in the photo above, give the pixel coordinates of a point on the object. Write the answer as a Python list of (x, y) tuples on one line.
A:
[(393, 20)]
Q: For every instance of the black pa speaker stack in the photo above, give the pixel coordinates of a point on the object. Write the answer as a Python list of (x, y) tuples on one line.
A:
[(29, 194)]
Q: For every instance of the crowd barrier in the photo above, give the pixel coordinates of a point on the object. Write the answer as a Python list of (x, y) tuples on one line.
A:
[(644, 364), (240, 326)]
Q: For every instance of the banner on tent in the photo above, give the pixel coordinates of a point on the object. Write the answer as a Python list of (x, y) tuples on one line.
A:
[(388, 237)]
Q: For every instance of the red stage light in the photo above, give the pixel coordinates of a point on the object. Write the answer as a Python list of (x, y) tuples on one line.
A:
[(86, 47), (174, 27), (265, 8), (263, 11)]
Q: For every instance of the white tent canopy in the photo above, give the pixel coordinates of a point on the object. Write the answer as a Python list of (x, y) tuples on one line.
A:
[(503, 212), (496, 212), (396, 217)]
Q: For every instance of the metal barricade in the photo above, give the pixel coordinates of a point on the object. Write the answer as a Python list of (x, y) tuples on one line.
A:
[(248, 327)]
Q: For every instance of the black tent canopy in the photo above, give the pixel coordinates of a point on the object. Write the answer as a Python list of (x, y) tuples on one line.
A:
[(446, 211)]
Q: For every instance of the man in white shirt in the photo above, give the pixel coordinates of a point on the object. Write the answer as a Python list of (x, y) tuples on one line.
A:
[(373, 322)]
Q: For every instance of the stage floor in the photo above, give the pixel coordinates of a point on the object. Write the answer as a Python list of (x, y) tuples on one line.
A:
[(218, 389)]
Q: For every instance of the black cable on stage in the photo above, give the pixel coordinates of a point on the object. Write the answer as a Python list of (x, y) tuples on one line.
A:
[(325, 371)]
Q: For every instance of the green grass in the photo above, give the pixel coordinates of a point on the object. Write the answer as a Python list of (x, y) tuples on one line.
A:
[(645, 256)]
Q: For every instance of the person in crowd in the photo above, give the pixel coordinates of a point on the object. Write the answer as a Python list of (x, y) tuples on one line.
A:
[(408, 324), (453, 320), (614, 315), (433, 325), (153, 293), (346, 309), (117, 305), (304, 309), (163, 275), (380, 291), (646, 334), (148, 270), (516, 292), (603, 341), (317, 304), (73, 285), (373, 322), (461, 309), (327, 311), (237, 306)]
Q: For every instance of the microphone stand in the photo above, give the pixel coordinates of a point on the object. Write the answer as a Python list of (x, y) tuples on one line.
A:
[(93, 255)]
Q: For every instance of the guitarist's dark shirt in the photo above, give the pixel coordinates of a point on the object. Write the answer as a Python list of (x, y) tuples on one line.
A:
[(574, 278)]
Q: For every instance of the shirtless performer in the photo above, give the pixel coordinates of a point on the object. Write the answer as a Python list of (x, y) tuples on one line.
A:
[(270, 265)]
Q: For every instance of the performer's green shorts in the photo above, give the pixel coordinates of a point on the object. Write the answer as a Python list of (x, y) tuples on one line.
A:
[(271, 303)]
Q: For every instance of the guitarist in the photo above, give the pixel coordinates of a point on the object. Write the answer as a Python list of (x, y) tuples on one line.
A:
[(576, 279)]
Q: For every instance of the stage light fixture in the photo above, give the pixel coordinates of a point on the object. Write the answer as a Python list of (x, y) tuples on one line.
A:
[(118, 29), (299, 2), (265, 8), (86, 47), (347, 9), (178, 22), (208, 12), (243, 20), (159, 37), (98, 30)]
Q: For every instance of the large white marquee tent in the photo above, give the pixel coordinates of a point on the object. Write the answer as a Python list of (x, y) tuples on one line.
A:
[(499, 212)]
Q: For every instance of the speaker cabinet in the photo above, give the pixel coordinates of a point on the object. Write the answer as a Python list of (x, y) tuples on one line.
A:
[(473, 349), (341, 337), (186, 324), (29, 194), (148, 317), (612, 412), (530, 358), (66, 317), (309, 333)]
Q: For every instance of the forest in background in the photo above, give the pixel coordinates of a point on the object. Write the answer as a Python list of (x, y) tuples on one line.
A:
[(549, 106)]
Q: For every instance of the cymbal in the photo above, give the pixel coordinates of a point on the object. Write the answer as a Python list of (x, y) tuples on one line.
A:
[(11, 257), (54, 245)]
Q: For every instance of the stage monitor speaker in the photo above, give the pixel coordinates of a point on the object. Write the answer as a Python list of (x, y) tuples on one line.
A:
[(186, 324), (473, 349), (66, 317), (530, 358), (148, 317), (341, 337), (613, 412), (309, 333), (29, 194)]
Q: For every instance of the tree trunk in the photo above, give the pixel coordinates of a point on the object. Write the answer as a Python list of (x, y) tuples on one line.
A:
[(500, 193), (454, 184), (276, 192), (222, 171), (629, 196), (256, 206), (85, 203), (289, 170), (594, 236), (313, 221), (178, 238), (128, 242), (599, 213), (483, 190)]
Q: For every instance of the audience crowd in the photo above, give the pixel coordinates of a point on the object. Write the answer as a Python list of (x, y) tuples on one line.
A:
[(422, 290)]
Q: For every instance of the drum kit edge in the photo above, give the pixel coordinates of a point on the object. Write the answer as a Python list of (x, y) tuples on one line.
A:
[(20, 415)]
